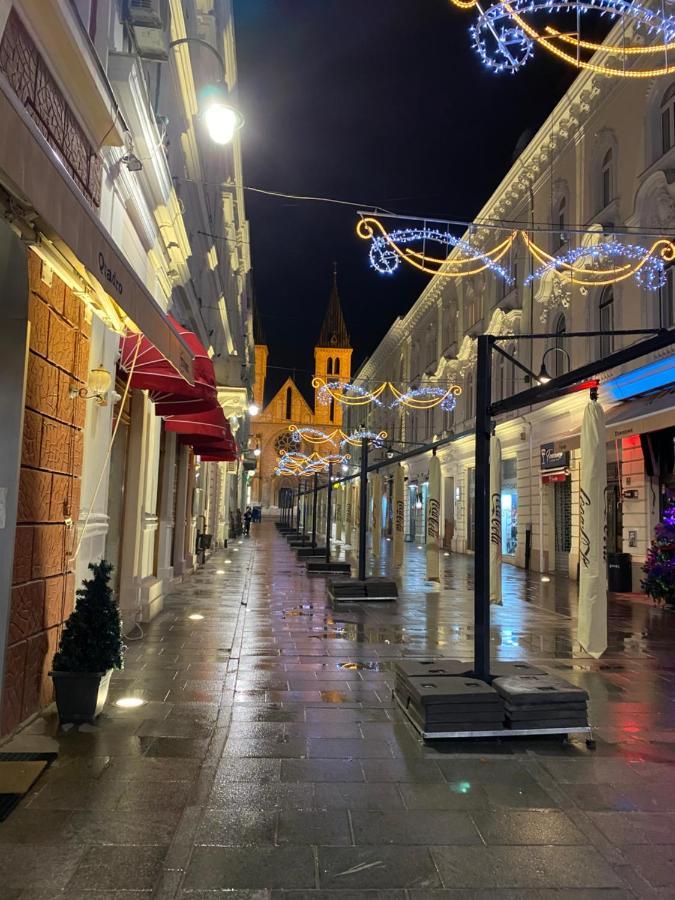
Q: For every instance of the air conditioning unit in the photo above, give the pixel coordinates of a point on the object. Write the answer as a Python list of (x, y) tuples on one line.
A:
[(146, 13)]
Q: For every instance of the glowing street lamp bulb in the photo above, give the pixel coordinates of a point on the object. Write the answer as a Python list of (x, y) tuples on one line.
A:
[(220, 571), (545, 579), (228, 562), (129, 702), (196, 617), (257, 451), (221, 121), (253, 409)]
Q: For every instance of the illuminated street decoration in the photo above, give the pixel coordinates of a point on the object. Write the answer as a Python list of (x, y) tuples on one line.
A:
[(609, 262), (303, 464), (600, 263), (348, 394), (387, 249), (505, 39), (427, 397), (423, 397), (311, 435), (317, 437), (354, 439)]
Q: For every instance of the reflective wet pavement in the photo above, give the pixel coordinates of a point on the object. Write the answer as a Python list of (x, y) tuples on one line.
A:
[(269, 762)]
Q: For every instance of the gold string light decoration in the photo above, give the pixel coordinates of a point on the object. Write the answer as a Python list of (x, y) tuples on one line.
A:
[(420, 398), (314, 436), (387, 250), (504, 39)]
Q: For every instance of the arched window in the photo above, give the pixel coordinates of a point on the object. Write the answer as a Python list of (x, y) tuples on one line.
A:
[(329, 366), (332, 409), (605, 322), (469, 410), (607, 178), (561, 220), (559, 343), (337, 365), (668, 119), (289, 403)]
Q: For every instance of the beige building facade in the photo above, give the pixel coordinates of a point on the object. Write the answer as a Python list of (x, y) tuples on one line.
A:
[(601, 163)]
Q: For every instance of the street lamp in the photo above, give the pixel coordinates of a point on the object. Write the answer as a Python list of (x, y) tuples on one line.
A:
[(221, 117), (543, 377), (257, 451), (253, 409)]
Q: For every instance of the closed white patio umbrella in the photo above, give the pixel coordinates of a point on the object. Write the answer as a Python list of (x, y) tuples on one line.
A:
[(399, 515), (433, 520), (592, 632), (495, 521)]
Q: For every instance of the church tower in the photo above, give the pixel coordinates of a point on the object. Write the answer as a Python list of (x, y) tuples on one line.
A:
[(332, 357), (261, 354)]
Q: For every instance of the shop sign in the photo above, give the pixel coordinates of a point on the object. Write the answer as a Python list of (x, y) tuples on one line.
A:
[(552, 458), (555, 477)]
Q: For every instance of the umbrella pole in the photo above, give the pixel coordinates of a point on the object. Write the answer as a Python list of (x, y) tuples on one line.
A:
[(481, 652), (329, 509), (363, 509), (314, 507)]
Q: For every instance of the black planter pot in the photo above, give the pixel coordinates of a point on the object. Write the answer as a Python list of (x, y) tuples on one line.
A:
[(80, 696)]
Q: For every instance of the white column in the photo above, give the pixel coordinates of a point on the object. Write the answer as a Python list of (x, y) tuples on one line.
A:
[(166, 521)]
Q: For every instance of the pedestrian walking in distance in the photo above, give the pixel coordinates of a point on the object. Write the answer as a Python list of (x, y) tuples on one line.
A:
[(248, 516)]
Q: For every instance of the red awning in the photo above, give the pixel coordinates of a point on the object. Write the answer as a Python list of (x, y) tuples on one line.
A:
[(217, 453), (200, 428), (170, 393)]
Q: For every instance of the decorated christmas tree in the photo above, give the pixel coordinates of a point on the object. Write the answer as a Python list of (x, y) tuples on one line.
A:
[(92, 637), (659, 567)]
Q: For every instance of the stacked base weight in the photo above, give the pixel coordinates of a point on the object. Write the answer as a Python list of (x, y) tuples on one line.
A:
[(442, 695), (542, 701), (451, 704)]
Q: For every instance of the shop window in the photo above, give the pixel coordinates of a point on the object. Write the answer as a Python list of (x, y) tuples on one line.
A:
[(509, 506), (667, 299), (605, 322), (668, 119)]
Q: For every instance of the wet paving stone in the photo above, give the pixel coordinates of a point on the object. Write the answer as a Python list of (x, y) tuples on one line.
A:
[(269, 761)]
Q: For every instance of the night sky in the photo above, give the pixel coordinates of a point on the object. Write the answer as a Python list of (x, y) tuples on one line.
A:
[(379, 102)]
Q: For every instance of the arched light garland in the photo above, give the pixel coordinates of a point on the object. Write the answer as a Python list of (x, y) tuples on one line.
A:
[(645, 264), (303, 464), (354, 439), (311, 435), (505, 40), (316, 436), (386, 251), (424, 397), (427, 397), (593, 265), (348, 394)]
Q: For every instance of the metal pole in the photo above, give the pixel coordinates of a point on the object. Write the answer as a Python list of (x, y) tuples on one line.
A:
[(329, 509), (481, 653), (314, 505), (363, 509), (297, 512)]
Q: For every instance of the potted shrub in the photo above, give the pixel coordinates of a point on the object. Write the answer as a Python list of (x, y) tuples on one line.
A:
[(90, 648)]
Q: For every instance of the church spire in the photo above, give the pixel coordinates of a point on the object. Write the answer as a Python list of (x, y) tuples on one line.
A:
[(334, 331)]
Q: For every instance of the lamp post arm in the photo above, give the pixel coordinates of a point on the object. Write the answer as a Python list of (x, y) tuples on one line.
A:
[(202, 43)]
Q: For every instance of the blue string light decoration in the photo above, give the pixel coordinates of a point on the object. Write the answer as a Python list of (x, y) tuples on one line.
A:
[(344, 392), (357, 436), (306, 432), (386, 260), (428, 394), (611, 261), (499, 34)]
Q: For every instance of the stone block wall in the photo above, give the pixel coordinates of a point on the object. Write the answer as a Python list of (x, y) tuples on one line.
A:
[(43, 582)]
